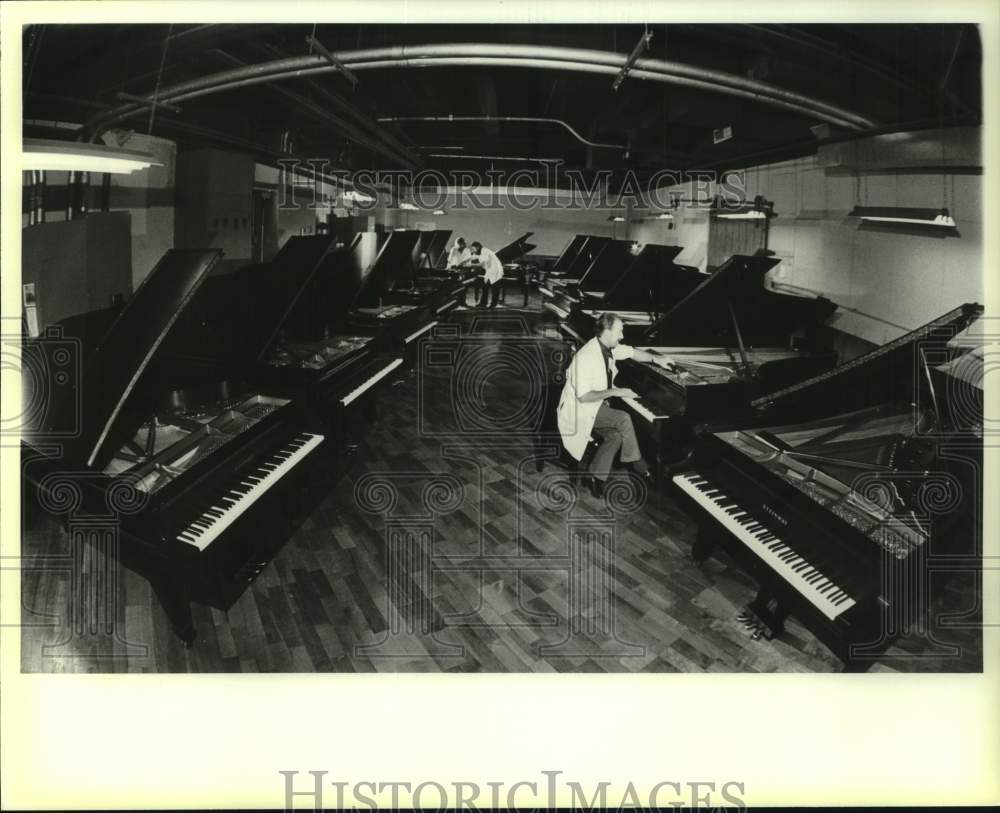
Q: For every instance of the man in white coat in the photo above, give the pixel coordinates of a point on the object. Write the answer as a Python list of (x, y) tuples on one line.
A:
[(583, 406), (492, 273), (458, 254)]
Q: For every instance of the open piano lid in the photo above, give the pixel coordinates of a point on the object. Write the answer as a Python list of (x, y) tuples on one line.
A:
[(652, 257), (764, 316), (570, 252), (436, 247), (106, 393), (886, 373), (393, 262), (282, 286), (514, 251)]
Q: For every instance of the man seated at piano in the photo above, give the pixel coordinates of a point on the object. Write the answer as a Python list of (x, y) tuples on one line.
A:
[(583, 406)]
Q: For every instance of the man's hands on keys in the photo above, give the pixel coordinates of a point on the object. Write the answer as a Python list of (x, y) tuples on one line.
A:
[(624, 392)]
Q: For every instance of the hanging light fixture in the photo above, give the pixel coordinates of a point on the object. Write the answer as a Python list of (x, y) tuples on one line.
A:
[(409, 207), (760, 209), (77, 156), (937, 218)]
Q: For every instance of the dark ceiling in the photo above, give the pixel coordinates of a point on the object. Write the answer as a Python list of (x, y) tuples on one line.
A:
[(885, 75)]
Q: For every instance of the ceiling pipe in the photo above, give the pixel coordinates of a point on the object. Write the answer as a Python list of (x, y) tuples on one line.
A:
[(529, 119), (358, 117), (543, 57), (348, 128), (463, 155), (102, 122)]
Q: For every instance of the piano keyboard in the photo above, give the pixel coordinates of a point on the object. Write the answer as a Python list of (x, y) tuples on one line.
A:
[(643, 409), (822, 593), (357, 392), (426, 327), (202, 532), (560, 312), (569, 331)]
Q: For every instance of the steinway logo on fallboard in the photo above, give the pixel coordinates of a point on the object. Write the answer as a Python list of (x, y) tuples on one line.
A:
[(771, 512)]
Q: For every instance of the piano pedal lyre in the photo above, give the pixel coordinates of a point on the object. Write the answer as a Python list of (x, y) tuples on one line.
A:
[(764, 617)]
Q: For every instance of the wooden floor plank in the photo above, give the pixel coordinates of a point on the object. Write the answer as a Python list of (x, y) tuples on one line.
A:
[(327, 594)]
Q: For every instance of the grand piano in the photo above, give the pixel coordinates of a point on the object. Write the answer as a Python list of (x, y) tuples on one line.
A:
[(392, 295), (637, 283), (843, 494), (204, 492), (568, 255), (731, 339), (431, 251), (574, 261), (285, 325)]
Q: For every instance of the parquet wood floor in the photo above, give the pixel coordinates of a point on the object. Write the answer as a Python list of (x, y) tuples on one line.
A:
[(443, 550)]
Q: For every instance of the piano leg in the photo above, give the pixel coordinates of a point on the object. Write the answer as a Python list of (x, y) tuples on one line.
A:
[(704, 543), (176, 603)]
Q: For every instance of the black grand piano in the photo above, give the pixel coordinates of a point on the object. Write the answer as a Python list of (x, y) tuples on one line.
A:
[(285, 325), (431, 251), (392, 295), (206, 491), (731, 340), (574, 261), (636, 282), (841, 495)]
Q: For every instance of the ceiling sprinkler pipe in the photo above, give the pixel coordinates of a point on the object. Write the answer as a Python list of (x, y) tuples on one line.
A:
[(471, 54)]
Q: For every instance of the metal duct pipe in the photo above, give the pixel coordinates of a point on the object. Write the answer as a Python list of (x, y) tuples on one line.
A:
[(530, 56), (529, 119), (348, 128)]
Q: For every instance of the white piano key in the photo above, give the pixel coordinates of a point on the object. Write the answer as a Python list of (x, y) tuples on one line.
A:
[(205, 529), (560, 312), (421, 331), (822, 593), (370, 382), (643, 410)]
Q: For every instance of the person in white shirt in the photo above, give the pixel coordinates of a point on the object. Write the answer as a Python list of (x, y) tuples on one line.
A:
[(492, 273), (583, 406), (458, 254)]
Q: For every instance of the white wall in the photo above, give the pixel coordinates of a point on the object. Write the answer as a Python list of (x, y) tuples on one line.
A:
[(886, 282), (148, 195)]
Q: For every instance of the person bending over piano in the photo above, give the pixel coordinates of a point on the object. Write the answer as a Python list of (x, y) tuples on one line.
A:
[(583, 406), (492, 273), (458, 255)]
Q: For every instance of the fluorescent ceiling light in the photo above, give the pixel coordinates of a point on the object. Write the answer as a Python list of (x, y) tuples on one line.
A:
[(357, 197), (400, 228), (616, 219), (753, 214), (77, 156), (938, 218), (438, 211), (409, 207), (664, 216)]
